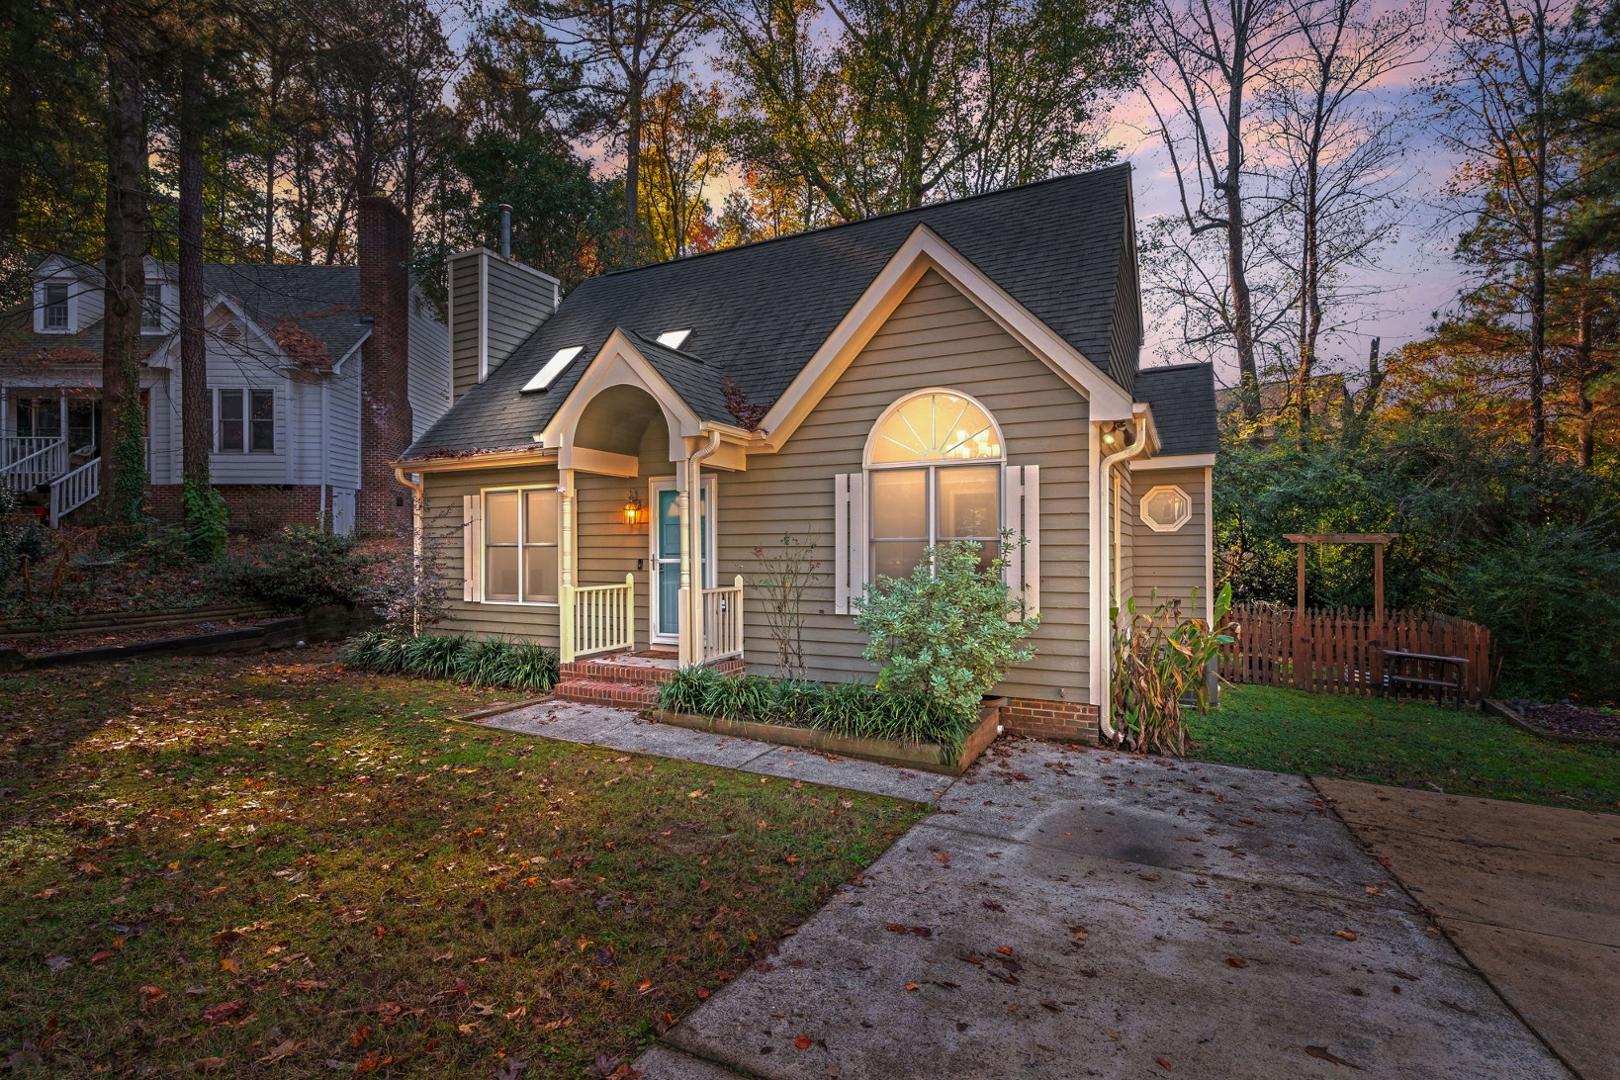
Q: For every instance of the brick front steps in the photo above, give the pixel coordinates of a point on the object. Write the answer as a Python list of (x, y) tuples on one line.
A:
[(623, 680)]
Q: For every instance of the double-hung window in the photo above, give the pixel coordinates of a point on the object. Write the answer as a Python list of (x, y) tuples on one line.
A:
[(934, 466), (520, 545), (56, 309), (152, 308), (247, 421)]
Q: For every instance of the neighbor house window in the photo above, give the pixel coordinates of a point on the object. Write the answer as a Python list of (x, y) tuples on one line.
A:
[(1166, 508), (247, 422), (520, 545), (934, 463), (152, 309), (56, 308)]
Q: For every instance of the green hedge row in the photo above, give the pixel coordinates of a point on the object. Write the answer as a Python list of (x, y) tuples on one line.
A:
[(487, 662), (843, 708)]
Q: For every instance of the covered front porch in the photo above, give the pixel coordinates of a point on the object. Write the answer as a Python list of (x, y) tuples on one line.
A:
[(636, 512)]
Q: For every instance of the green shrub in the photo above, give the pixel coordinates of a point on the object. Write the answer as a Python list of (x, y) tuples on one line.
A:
[(488, 662), (21, 537), (303, 568), (946, 633)]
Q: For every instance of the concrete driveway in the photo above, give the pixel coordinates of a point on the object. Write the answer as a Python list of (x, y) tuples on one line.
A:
[(1070, 914), (1530, 894)]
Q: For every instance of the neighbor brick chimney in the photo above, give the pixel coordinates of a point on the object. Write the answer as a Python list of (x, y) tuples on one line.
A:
[(383, 505)]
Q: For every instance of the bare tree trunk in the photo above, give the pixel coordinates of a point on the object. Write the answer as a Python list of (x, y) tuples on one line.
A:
[(196, 440), (127, 227), (632, 149), (20, 121), (1231, 186)]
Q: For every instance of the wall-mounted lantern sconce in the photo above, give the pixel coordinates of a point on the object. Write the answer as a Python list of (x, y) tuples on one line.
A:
[(635, 512)]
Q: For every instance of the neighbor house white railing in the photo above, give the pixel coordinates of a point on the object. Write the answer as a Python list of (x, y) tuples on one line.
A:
[(36, 468), (723, 621), (72, 490), (597, 618), (13, 448)]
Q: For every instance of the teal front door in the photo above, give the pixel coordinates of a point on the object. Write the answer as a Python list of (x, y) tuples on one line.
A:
[(666, 557)]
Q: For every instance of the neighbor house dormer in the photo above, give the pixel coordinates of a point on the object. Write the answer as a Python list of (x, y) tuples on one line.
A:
[(67, 296)]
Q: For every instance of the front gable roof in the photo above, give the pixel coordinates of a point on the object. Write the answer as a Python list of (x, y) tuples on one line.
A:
[(759, 313)]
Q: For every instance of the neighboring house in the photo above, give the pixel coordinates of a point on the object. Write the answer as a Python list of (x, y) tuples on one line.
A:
[(318, 378), (935, 374)]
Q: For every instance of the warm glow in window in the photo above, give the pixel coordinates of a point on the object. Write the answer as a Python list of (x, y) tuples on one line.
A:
[(935, 427)]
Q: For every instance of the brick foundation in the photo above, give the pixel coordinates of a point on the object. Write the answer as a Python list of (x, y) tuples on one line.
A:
[(1063, 721), (256, 509)]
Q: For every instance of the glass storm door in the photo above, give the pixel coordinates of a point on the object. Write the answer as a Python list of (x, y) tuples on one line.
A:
[(666, 557)]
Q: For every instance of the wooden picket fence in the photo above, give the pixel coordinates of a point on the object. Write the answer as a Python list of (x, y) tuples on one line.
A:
[(1340, 651)]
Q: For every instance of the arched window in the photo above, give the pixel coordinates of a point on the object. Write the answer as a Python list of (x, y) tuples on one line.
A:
[(934, 464)]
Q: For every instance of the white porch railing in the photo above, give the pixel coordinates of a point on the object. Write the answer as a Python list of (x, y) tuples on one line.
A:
[(723, 621), (72, 490), (13, 448), (38, 467), (597, 618)]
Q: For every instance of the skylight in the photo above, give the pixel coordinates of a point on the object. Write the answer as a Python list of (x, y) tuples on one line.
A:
[(553, 368), (674, 339)]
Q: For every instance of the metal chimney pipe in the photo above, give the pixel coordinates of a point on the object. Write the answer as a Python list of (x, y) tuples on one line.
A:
[(506, 230)]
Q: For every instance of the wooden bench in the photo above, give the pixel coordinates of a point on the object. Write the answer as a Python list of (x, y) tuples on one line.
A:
[(1394, 676)]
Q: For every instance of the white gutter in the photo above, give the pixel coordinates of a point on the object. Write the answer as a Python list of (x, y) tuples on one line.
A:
[(1104, 727)]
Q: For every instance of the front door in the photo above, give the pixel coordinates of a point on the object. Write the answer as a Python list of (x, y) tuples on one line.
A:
[(665, 554)]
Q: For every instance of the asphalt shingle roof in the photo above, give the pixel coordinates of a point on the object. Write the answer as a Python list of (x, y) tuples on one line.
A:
[(758, 313), (1183, 401), (320, 300)]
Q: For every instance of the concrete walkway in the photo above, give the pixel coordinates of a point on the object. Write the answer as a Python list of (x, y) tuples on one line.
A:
[(1530, 894), (621, 729), (1068, 913)]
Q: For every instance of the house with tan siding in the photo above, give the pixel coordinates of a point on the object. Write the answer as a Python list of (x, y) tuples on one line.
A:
[(618, 461)]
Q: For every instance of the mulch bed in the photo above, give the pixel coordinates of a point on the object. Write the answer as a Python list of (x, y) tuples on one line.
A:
[(1570, 721)]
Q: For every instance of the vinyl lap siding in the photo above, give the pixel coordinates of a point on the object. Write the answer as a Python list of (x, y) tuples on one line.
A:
[(463, 331), (1173, 563), (427, 365), (343, 424), (519, 301), (936, 337)]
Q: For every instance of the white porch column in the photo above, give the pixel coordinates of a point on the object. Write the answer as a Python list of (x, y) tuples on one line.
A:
[(685, 655), (566, 539), (61, 415), (694, 532)]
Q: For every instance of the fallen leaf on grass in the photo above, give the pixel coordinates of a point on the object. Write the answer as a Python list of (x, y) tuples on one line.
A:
[(1322, 1053), (208, 1064), (153, 993), (225, 1010), (511, 1068), (280, 1052), (58, 963), (101, 956)]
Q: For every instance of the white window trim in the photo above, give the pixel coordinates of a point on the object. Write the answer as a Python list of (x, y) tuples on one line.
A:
[(72, 326), (1158, 527), (245, 392), (930, 466), (710, 551), (483, 544), (160, 328)]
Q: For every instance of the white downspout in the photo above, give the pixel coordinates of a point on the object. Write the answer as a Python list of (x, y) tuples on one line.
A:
[(414, 482), (1104, 726), (693, 565)]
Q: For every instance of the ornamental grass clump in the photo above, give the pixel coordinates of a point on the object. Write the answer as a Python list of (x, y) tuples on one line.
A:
[(490, 662), (947, 633), (1158, 658)]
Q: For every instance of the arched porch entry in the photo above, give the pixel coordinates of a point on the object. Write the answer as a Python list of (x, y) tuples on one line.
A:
[(636, 566)]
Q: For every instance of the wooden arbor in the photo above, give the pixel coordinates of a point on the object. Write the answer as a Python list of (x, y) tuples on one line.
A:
[(1379, 541)]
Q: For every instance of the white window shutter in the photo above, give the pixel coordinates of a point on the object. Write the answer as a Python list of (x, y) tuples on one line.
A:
[(472, 542), (1021, 512), (849, 540)]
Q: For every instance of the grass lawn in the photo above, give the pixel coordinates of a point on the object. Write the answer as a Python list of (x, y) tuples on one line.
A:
[(1402, 743), (266, 866)]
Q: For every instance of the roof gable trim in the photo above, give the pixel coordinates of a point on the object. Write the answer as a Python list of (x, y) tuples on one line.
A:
[(925, 250), (618, 362)]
